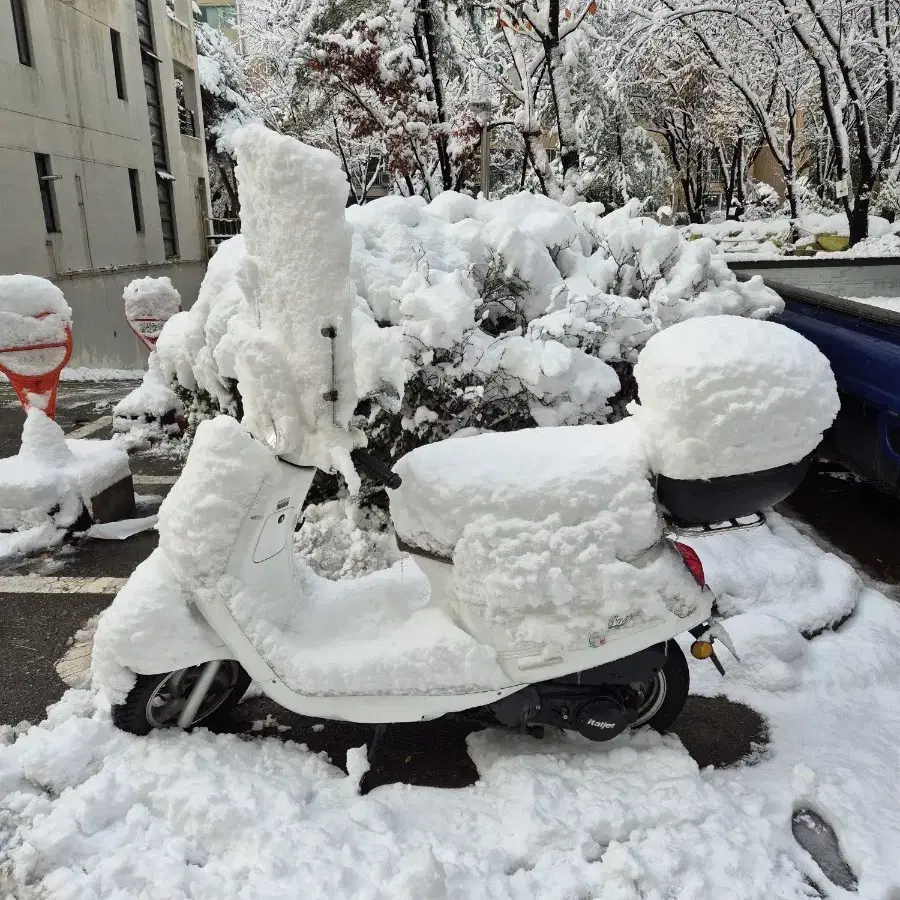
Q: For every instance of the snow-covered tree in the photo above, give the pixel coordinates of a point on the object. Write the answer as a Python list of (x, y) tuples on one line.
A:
[(225, 97), (848, 51), (524, 56), (392, 78)]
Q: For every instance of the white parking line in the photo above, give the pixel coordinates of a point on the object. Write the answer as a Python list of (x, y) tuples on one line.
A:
[(60, 584), (91, 427), (154, 479)]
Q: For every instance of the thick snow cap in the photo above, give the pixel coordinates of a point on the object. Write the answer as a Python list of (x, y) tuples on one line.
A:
[(152, 298), (295, 276), (724, 395), (33, 312)]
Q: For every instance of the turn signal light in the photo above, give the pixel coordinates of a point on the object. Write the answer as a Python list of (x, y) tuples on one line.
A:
[(701, 649)]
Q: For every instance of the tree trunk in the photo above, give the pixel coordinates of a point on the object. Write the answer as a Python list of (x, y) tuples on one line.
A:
[(790, 190), (858, 219), (234, 203), (562, 103), (541, 166), (428, 53)]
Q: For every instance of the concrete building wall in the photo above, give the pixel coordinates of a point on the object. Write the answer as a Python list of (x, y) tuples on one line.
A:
[(65, 105)]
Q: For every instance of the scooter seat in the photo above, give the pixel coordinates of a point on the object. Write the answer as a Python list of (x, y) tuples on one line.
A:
[(570, 472)]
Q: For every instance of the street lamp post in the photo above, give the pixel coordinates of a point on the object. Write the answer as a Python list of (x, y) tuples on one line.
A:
[(482, 106)]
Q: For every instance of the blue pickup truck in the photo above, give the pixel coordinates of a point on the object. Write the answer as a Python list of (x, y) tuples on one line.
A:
[(862, 343)]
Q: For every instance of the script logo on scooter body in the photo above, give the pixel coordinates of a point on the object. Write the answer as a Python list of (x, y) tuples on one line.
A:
[(621, 621)]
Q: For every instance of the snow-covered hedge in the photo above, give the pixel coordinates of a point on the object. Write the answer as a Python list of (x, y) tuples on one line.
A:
[(485, 315)]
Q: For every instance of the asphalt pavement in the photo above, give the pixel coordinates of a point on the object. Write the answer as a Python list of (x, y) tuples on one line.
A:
[(37, 626)]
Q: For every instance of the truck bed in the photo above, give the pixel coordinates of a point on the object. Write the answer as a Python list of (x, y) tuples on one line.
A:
[(862, 343)]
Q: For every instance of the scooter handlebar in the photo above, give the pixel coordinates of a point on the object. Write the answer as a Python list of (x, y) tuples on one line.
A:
[(364, 461)]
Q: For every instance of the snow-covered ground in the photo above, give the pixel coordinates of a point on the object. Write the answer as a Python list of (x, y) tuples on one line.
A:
[(892, 303), (813, 234), (88, 812)]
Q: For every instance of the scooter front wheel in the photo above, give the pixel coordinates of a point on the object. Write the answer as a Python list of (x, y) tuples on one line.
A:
[(197, 695)]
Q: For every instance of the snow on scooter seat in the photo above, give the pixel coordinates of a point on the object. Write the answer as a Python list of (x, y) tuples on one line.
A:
[(553, 531), (723, 395)]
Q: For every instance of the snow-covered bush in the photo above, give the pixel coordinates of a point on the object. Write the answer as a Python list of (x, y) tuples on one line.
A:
[(152, 411), (887, 201), (476, 315)]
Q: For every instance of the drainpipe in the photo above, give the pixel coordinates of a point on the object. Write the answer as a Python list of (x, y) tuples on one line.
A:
[(84, 225)]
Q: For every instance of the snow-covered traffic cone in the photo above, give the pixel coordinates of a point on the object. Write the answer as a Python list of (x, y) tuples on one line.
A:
[(35, 338), (37, 391)]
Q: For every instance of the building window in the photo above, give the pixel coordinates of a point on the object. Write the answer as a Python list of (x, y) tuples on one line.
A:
[(134, 180), (218, 17), (115, 40), (144, 23), (20, 26), (46, 178), (167, 215), (185, 95)]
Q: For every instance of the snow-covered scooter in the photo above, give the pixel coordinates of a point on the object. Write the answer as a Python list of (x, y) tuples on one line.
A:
[(549, 570), (624, 670), (307, 642)]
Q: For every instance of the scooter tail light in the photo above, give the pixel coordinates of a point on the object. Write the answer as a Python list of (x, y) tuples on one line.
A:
[(692, 561)]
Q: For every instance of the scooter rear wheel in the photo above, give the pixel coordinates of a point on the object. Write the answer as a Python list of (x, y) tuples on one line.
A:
[(156, 701), (666, 693)]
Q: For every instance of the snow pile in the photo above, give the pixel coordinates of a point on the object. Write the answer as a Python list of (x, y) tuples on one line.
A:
[(723, 396), (547, 529), (468, 314), (339, 539), (811, 233), (151, 298), (748, 573), (295, 276), (47, 485), (83, 807), (153, 406), (33, 311)]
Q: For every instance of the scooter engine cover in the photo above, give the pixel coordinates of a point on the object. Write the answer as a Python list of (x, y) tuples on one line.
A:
[(603, 718)]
